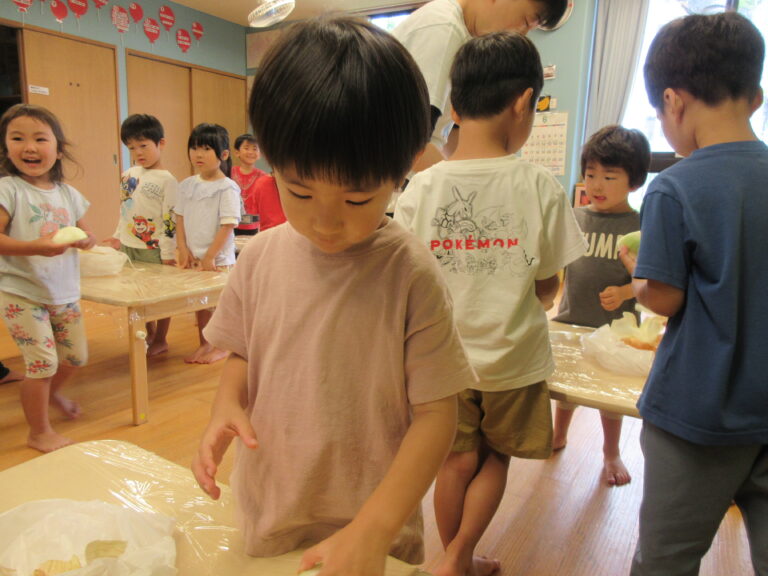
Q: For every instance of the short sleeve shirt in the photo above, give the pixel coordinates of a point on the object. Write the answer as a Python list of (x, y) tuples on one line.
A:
[(37, 212), (339, 347)]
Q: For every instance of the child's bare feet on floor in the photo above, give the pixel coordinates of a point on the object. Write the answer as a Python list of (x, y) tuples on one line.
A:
[(68, 407), (615, 473), (12, 376), (480, 566), (157, 348), (206, 354), (47, 441)]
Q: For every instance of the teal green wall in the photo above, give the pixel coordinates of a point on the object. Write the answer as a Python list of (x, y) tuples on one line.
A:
[(570, 49), (222, 46)]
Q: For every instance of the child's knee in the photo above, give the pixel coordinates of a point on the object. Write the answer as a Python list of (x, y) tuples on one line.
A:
[(462, 464)]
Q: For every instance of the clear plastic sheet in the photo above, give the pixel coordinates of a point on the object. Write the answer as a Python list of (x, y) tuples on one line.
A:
[(207, 543), (143, 284), (582, 381)]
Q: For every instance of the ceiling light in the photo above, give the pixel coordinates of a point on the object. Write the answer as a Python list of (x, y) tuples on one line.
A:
[(270, 12)]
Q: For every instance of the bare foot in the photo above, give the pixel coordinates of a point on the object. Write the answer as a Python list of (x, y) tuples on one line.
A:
[(482, 566), (12, 376), (212, 355), (68, 407), (47, 441), (206, 354), (615, 473), (479, 566), (156, 348)]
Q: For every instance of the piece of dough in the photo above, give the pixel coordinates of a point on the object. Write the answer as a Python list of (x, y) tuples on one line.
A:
[(68, 235)]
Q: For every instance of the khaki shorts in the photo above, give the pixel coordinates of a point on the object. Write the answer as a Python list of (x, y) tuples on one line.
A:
[(513, 422)]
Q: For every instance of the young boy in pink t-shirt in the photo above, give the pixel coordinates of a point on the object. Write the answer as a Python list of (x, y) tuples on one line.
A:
[(345, 361)]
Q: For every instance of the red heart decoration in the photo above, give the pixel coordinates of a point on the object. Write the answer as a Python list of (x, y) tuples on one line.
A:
[(136, 11), (151, 29), (59, 10), (197, 30), (78, 7), (167, 17), (23, 5), (183, 39)]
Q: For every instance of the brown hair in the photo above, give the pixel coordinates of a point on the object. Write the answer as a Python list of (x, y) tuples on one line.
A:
[(46, 117)]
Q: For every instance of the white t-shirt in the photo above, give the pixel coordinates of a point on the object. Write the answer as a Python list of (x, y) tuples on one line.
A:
[(433, 34), (339, 347), (496, 225), (36, 212), (205, 205), (147, 220)]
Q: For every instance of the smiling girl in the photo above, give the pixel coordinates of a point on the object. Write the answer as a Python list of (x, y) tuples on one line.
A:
[(207, 211), (39, 278)]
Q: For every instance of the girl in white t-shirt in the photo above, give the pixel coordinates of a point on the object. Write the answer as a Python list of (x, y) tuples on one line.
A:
[(40, 277), (207, 211)]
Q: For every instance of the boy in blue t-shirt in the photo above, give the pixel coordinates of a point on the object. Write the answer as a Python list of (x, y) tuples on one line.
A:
[(703, 263)]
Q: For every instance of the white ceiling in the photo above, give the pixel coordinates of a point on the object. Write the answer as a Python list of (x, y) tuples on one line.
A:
[(237, 10)]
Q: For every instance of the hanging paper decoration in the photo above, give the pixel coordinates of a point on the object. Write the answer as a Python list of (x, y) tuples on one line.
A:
[(78, 7), (136, 12), (183, 39), (99, 5), (151, 29), (59, 10), (197, 30), (167, 18), (23, 5), (120, 19)]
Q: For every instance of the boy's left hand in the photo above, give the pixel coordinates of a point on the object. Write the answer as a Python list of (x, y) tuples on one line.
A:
[(349, 552), (628, 260)]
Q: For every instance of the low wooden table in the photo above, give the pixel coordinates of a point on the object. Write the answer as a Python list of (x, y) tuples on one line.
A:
[(579, 380), (207, 542), (151, 292)]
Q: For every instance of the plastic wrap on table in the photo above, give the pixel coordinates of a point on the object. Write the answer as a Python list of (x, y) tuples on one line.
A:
[(150, 283), (583, 380), (120, 473)]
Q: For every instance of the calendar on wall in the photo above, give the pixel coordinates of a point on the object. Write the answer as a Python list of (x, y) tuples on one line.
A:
[(547, 143)]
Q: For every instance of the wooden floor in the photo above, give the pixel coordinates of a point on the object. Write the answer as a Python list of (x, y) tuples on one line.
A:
[(556, 518)]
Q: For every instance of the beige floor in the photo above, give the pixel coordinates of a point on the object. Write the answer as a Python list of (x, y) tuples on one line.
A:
[(557, 518)]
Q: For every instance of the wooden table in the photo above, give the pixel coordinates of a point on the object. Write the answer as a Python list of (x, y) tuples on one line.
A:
[(579, 380), (151, 292), (207, 542)]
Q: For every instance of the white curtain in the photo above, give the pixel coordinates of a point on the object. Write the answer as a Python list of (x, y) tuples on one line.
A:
[(619, 29)]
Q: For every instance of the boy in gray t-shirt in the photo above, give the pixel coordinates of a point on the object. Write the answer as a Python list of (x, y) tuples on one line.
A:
[(598, 289)]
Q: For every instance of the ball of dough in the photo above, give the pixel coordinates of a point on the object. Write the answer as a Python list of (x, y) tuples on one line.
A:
[(68, 235), (631, 241)]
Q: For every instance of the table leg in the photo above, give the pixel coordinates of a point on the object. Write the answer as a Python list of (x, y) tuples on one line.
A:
[(137, 356)]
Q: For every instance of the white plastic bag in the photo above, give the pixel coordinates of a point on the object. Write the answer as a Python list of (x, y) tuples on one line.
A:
[(607, 349), (101, 261), (43, 530)]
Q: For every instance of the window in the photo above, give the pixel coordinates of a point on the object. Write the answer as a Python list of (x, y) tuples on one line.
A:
[(389, 20), (639, 113)]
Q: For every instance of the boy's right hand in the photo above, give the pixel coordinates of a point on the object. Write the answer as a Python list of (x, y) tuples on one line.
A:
[(216, 439)]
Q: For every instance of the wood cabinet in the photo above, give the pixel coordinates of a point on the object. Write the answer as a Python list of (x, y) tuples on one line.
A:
[(77, 81), (182, 96)]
